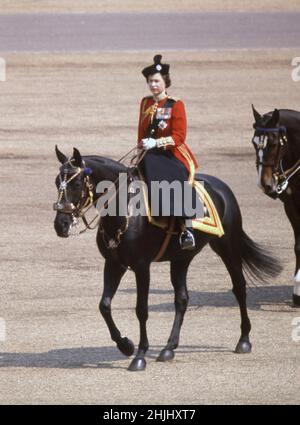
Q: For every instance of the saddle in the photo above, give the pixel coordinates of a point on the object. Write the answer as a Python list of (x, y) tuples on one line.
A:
[(209, 223)]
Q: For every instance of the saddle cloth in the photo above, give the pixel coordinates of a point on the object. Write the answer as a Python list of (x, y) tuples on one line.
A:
[(209, 223)]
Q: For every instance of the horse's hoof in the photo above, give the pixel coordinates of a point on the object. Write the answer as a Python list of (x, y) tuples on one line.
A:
[(296, 300), (165, 356), (126, 347), (243, 347), (137, 364)]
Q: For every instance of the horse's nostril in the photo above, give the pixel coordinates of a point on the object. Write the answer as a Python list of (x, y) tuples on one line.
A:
[(268, 188), (65, 224), (62, 224)]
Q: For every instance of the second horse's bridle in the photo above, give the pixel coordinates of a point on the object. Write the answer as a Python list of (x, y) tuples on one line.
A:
[(260, 141)]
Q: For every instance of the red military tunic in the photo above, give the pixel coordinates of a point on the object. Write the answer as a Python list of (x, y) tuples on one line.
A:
[(173, 125)]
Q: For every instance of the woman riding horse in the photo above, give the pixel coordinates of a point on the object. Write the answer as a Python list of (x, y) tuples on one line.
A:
[(136, 243), (162, 133)]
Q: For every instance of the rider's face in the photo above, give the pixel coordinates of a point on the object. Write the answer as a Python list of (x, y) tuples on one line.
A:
[(156, 83)]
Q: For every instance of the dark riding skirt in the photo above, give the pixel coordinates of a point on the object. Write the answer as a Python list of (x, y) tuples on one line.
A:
[(162, 166)]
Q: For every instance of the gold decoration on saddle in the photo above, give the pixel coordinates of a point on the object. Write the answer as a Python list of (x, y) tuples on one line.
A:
[(211, 222)]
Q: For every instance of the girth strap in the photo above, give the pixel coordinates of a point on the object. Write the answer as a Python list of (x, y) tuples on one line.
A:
[(169, 234)]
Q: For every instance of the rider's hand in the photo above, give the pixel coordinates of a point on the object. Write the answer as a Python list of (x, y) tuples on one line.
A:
[(149, 143)]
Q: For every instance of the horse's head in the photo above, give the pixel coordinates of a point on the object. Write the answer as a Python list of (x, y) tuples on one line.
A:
[(270, 144), (74, 191)]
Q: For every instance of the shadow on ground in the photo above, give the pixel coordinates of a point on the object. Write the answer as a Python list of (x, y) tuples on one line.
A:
[(66, 358), (88, 357), (276, 298), (269, 298)]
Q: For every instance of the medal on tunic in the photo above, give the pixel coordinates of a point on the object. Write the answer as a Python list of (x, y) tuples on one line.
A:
[(163, 113), (162, 124)]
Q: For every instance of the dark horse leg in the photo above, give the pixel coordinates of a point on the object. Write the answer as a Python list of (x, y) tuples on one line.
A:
[(294, 218), (113, 273), (178, 278), (232, 259), (142, 274)]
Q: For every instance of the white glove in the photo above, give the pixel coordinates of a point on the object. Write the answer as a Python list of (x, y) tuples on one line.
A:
[(148, 143)]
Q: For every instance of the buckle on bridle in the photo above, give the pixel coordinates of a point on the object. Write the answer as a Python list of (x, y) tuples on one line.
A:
[(281, 187), (261, 144), (63, 185)]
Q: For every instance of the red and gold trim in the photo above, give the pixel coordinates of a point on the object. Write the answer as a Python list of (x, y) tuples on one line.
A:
[(211, 223)]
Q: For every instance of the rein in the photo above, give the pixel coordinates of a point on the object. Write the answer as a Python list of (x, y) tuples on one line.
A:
[(285, 176), (135, 160), (113, 243), (87, 200)]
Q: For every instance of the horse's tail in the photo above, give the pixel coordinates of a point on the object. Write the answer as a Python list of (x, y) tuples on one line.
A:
[(258, 262)]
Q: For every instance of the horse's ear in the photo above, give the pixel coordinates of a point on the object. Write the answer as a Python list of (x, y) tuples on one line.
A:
[(60, 156), (256, 115), (77, 157), (273, 121)]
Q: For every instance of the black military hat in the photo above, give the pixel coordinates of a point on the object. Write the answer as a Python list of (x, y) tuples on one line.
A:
[(157, 66)]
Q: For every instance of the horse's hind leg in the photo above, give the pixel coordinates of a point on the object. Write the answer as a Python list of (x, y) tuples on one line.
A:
[(178, 278), (113, 273), (293, 216), (233, 262)]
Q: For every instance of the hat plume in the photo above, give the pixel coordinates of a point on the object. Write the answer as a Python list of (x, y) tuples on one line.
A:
[(157, 59)]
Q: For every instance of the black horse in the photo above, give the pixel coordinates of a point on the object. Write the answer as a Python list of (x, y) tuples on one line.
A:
[(127, 241), (277, 143)]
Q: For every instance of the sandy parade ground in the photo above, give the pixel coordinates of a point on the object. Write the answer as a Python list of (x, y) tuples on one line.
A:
[(57, 348)]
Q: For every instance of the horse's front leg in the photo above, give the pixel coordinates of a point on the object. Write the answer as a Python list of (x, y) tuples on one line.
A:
[(113, 273), (142, 274), (178, 278)]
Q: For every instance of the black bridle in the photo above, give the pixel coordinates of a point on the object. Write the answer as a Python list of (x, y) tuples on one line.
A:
[(280, 176), (262, 143), (63, 204)]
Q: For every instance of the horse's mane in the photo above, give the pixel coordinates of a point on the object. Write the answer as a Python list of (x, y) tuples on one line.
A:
[(115, 166), (287, 116)]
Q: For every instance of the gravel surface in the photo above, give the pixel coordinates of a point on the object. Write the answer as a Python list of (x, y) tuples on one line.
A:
[(57, 348)]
